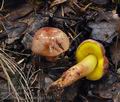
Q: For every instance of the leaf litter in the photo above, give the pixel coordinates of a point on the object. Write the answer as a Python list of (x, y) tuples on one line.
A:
[(26, 77)]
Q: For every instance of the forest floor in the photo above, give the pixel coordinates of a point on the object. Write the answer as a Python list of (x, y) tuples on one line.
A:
[(25, 77)]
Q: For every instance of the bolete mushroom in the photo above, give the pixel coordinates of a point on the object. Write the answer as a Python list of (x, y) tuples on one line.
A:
[(50, 42), (92, 64)]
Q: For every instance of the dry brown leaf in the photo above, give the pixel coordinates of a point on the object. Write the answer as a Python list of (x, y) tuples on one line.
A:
[(57, 2)]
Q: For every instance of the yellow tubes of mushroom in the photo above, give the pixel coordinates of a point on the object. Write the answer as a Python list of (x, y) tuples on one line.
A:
[(91, 64)]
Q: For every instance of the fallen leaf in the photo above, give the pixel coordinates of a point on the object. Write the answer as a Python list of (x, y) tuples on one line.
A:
[(19, 13), (57, 2), (103, 31), (15, 31), (100, 2), (115, 53)]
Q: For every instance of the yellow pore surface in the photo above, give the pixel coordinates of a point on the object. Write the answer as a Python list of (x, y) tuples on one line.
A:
[(91, 47)]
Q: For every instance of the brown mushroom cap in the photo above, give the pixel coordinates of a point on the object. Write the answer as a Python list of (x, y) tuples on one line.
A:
[(50, 42)]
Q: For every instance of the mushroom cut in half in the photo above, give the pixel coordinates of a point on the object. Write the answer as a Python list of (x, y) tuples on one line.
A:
[(50, 42)]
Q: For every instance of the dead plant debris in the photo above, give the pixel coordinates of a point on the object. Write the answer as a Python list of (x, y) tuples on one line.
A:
[(26, 77)]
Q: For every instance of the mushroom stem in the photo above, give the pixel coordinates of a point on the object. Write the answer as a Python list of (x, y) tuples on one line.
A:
[(80, 70)]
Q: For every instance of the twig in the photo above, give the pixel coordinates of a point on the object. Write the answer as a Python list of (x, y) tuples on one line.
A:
[(60, 17), (2, 5), (12, 65), (10, 82), (17, 53)]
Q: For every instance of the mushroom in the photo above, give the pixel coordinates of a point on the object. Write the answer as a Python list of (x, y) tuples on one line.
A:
[(92, 64), (50, 42)]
